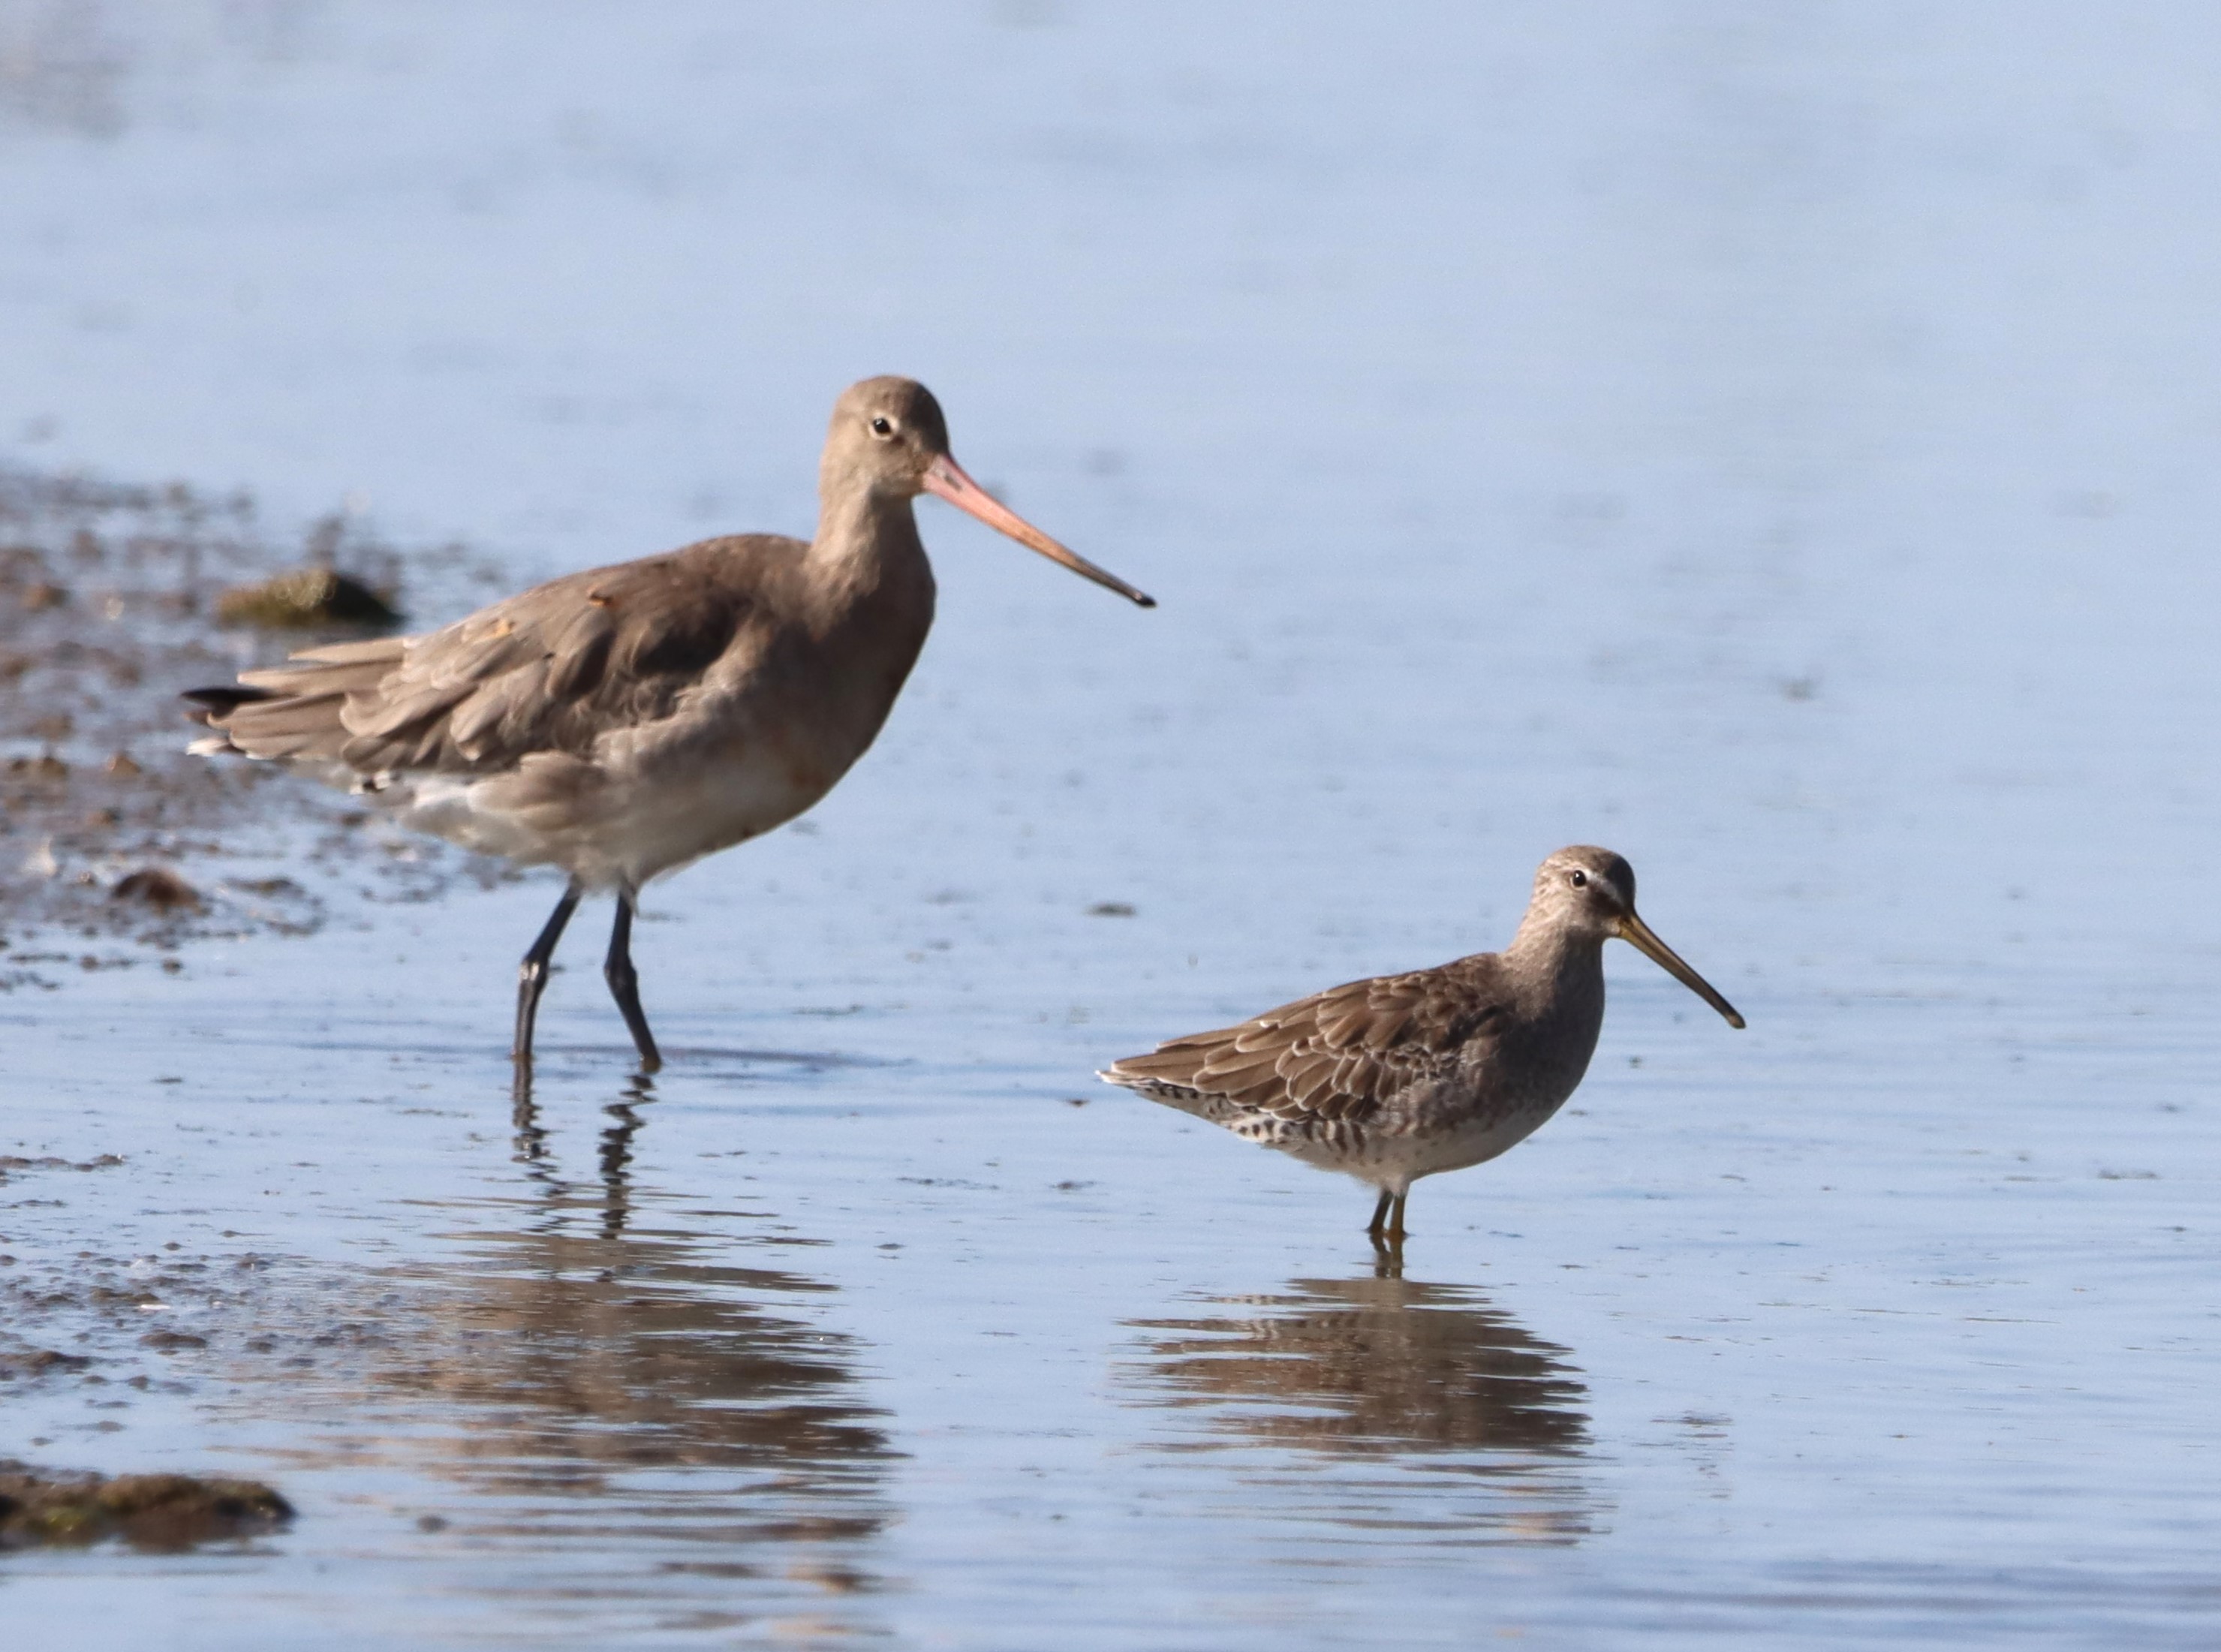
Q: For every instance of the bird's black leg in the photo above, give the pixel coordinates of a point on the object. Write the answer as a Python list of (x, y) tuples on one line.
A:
[(624, 984), (532, 980), (1378, 1230), (1396, 1220)]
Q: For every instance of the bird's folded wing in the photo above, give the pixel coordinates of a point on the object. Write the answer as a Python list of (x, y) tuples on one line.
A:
[(1336, 1055), (550, 671)]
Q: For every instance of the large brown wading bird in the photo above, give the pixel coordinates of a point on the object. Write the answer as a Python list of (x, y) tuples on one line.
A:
[(1401, 1076), (621, 722)]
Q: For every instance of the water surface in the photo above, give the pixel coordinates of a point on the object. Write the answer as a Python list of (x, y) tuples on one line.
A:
[(1769, 445)]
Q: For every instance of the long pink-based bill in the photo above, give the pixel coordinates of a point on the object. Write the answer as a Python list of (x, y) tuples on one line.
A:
[(945, 478)]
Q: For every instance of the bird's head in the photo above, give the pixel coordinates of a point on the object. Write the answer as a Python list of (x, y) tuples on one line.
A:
[(888, 437), (1588, 892)]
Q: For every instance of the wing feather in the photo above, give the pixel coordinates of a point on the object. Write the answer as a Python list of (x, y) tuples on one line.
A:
[(553, 670), (1337, 1055)]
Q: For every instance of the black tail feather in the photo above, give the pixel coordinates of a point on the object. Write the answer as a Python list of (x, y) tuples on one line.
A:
[(217, 704)]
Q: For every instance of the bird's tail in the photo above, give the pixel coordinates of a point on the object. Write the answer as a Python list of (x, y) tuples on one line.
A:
[(292, 711), (212, 709)]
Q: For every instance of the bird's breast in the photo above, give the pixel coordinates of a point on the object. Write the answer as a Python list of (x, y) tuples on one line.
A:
[(757, 750)]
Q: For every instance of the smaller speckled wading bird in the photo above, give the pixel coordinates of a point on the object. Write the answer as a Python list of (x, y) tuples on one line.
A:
[(621, 722), (1401, 1076)]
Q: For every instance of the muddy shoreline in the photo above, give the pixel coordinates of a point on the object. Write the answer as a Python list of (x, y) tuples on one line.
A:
[(116, 846)]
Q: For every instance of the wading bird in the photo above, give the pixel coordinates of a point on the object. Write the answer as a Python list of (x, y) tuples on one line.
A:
[(621, 722), (1402, 1076)]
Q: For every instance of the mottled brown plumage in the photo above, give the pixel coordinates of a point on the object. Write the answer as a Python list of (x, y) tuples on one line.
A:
[(1337, 1053), (626, 720), (1402, 1076)]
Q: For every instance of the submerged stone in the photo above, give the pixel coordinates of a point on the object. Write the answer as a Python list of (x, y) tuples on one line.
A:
[(158, 888), (153, 1511)]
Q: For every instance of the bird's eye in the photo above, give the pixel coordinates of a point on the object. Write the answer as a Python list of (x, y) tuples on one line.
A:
[(883, 426), (1579, 880)]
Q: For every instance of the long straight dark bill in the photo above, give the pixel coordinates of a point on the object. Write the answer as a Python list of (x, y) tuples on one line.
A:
[(945, 479), (1634, 929)]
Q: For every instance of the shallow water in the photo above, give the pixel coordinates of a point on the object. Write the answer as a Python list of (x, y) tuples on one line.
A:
[(1771, 445)]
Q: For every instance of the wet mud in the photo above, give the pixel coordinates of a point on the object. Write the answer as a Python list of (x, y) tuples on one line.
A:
[(102, 1320), (573, 1350), (116, 846)]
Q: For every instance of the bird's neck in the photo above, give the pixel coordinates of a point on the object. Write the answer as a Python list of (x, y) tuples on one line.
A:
[(1552, 958), (866, 547)]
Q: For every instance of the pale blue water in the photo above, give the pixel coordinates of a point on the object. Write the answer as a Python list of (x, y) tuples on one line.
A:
[(1773, 445)]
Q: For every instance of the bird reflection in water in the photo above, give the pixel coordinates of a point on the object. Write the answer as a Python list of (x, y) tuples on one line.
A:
[(594, 1367), (530, 1141), (1479, 1419)]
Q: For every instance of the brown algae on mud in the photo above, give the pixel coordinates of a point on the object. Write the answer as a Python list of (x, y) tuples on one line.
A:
[(307, 599), (162, 1512), (158, 888), (114, 599)]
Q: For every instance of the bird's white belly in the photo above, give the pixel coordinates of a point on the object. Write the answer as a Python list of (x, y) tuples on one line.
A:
[(1476, 1142), (1394, 1158), (614, 829)]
